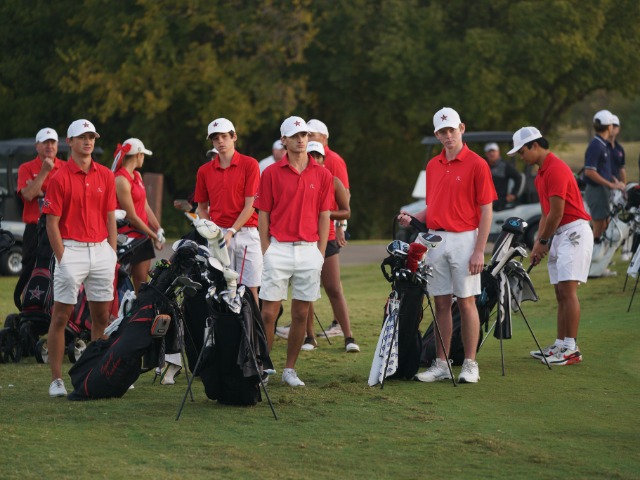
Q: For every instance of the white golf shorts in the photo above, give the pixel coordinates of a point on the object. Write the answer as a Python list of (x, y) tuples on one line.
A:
[(248, 266), (298, 263), (450, 262), (91, 264), (570, 253)]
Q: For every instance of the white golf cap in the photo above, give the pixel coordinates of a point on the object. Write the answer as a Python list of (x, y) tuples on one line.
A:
[(136, 147), (616, 120), (316, 126), (277, 145), (46, 134), (315, 147), (446, 118), (603, 117), (522, 137), (491, 146), (81, 126), (293, 125), (213, 151), (220, 125)]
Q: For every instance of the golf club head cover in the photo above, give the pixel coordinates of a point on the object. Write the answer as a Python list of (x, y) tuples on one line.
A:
[(416, 254), (208, 229), (231, 277), (215, 238)]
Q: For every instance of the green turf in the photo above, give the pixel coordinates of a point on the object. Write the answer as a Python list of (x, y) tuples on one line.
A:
[(572, 422)]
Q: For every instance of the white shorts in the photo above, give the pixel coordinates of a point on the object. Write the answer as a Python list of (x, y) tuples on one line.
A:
[(450, 262), (297, 262), (570, 253), (91, 264), (249, 267)]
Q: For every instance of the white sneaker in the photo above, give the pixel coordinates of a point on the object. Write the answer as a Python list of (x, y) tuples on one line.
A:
[(547, 352), (309, 344), (470, 372), (609, 273), (437, 371), (283, 332), (170, 373), (290, 377), (350, 345), (56, 389), (334, 330), (625, 257)]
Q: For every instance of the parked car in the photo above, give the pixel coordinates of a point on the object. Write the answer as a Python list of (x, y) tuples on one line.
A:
[(526, 206), (14, 153)]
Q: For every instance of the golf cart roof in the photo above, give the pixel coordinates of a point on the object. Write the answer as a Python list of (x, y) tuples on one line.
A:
[(472, 137), (27, 147)]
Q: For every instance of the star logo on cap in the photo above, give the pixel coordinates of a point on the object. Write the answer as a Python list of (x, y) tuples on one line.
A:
[(215, 124), (36, 293), (296, 123), (85, 125), (48, 132), (443, 118)]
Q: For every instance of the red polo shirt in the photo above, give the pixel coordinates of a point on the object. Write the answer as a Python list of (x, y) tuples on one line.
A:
[(555, 179), (138, 196), (295, 200), (27, 173), (456, 190), (82, 201), (226, 188)]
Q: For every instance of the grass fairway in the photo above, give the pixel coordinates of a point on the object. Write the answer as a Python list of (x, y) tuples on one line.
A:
[(573, 422)]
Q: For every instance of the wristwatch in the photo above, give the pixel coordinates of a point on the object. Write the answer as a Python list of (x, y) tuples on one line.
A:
[(543, 241), (233, 231)]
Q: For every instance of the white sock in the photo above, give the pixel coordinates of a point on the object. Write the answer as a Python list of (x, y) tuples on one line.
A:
[(559, 343), (569, 343)]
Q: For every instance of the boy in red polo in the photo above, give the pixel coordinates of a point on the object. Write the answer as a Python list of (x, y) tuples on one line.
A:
[(564, 218), (33, 181), (294, 200), (225, 190), (81, 226), (460, 194)]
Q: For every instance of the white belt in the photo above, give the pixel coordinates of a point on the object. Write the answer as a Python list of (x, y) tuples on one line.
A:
[(74, 243), (296, 244)]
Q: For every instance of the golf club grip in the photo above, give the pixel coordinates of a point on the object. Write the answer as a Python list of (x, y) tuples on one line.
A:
[(530, 268), (418, 225)]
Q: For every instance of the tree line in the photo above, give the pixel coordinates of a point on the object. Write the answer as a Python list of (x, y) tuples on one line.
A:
[(374, 71)]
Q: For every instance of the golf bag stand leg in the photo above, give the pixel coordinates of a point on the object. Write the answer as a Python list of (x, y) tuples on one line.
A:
[(208, 339), (185, 365), (531, 331), (437, 328), (487, 335), (501, 343), (635, 287), (255, 365)]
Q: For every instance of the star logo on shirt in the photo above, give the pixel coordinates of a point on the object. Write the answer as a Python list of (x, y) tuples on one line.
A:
[(443, 118), (99, 189), (46, 203), (36, 293), (311, 186)]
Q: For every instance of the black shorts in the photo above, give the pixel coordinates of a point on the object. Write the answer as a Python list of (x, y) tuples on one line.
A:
[(140, 251), (332, 248)]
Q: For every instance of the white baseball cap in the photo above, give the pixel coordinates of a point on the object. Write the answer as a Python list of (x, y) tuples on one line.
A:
[(46, 134), (277, 145), (293, 125), (81, 126), (603, 117), (220, 125), (315, 147), (316, 126), (491, 146), (446, 118), (136, 147), (522, 137), (616, 120)]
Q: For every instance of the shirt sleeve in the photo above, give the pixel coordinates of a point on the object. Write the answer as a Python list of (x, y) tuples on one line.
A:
[(253, 178), (52, 204), (24, 174), (485, 189), (592, 156), (112, 202)]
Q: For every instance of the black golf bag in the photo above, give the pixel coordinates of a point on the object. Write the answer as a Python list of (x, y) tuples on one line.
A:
[(108, 367), (228, 371)]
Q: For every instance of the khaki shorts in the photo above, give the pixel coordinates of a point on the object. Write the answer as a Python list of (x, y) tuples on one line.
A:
[(570, 253), (450, 262), (248, 266), (298, 263), (91, 264)]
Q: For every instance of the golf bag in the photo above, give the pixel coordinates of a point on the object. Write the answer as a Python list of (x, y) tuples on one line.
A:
[(228, 372), (153, 327), (618, 231)]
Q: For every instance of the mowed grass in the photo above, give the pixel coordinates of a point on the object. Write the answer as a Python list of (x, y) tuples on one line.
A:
[(573, 422)]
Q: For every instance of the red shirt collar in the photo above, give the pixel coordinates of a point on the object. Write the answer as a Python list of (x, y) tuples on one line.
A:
[(464, 154), (234, 160), (73, 166), (546, 162)]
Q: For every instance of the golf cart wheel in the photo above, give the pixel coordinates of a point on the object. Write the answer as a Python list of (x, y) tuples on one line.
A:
[(42, 352), (12, 321), (10, 346), (11, 261), (75, 349)]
